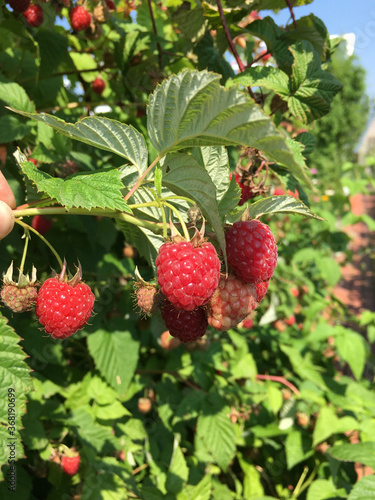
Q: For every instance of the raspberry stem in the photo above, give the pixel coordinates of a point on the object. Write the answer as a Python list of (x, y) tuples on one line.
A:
[(142, 177), (182, 222), (29, 228), (27, 237)]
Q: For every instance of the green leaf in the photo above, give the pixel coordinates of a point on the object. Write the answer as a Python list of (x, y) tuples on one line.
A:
[(202, 491), (215, 161), (12, 129), (312, 29), (322, 489), (363, 453), (116, 355), (100, 132), (311, 88), (364, 489), (328, 423), (263, 76), (192, 109), (14, 95), (215, 436), (297, 448), (278, 204), (276, 4), (183, 175), (252, 485), (351, 348), (100, 189), (329, 269), (178, 471), (15, 383)]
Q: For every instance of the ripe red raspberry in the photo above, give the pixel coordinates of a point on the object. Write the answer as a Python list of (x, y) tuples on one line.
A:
[(19, 296), (231, 303), (98, 85), (148, 297), (188, 275), (110, 4), (251, 251), (187, 326), (80, 18), (246, 191), (248, 323), (70, 465), (34, 15), (261, 289), (19, 5), (265, 55), (33, 161), (41, 224), (64, 307)]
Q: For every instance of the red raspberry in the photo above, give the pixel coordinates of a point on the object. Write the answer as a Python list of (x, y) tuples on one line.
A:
[(34, 15), (246, 191), (41, 224), (110, 4), (248, 323), (19, 5), (149, 298), (251, 251), (188, 275), (80, 18), (232, 302), (278, 192), (98, 85), (64, 307), (261, 289), (187, 326), (33, 161), (265, 55), (70, 465)]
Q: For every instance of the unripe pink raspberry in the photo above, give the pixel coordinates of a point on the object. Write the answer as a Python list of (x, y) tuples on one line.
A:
[(251, 251), (187, 326), (188, 275), (149, 298), (231, 303), (34, 15)]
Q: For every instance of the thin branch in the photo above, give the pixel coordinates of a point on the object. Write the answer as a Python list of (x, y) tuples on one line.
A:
[(290, 7), (241, 67), (257, 59), (155, 33), (141, 178), (282, 380)]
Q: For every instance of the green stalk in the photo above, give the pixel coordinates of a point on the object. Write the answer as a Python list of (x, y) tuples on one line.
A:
[(27, 236), (182, 222), (26, 226)]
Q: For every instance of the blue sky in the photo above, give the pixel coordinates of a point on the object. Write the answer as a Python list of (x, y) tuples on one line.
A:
[(345, 16)]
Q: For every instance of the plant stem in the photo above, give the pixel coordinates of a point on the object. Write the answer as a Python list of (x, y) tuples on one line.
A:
[(27, 236), (29, 228), (290, 7), (282, 380), (165, 225), (182, 222), (241, 67), (142, 178), (297, 489)]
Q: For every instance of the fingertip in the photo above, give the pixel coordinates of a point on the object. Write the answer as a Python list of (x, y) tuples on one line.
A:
[(6, 219)]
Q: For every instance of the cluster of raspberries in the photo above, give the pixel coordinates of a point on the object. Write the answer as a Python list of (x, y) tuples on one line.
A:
[(62, 306), (193, 293)]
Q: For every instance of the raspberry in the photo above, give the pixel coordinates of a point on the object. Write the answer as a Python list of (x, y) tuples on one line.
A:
[(41, 224), (148, 297), (261, 289), (34, 15), (187, 326), (80, 18), (232, 302), (248, 323), (251, 251), (33, 161), (70, 465), (19, 296), (246, 191), (110, 4), (144, 405), (64, 307), (188, 275), (98, 85), (19, 5)]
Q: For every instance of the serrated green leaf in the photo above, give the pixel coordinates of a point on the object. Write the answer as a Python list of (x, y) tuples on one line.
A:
[(276, 4), (328, 423), (313, 30), (116, 355), (215, 436), (297, 448), (363, 453), (322, 489), (103, 133), (15, 383), (202, 491), (215, 161), (100, 189), (184, 176), (278, 204), (351, 348), (178, 471), (363, 489), (263, 76), (192, 109), (14, 95), (12, 129)]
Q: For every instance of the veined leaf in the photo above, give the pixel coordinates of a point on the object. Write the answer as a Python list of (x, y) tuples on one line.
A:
[(359, 452), (15, 95), (100, 189), (100, 132), (215, 161), (184, 176), (276, 4), (263, 76), (193, 109), (276, 204)]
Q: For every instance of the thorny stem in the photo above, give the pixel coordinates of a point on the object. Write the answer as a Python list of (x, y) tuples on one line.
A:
[(155, 33), (27, 236), (26, 226), (282, 380), (290, 7), (182, 222), (142, 178), (231, 44)]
